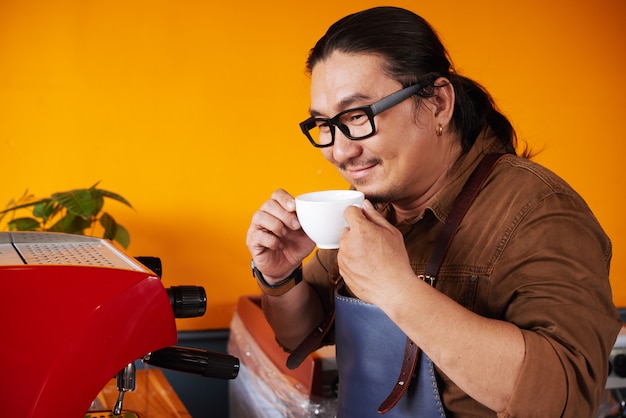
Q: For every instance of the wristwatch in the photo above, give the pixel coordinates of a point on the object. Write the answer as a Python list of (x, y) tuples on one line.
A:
[(282, 286)]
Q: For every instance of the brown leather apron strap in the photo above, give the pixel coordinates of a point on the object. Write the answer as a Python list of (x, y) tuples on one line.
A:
[(411, 352), (312, 342), (459, 208)]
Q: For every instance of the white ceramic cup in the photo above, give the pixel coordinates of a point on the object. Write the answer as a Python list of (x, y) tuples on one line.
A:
[(321, 214)]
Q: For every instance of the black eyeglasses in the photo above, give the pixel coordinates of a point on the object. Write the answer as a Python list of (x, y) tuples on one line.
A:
[(355, 124)]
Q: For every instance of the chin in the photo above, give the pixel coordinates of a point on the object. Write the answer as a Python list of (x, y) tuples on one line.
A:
[(377, 196), (374, 196), (373, 193), (377, 199)]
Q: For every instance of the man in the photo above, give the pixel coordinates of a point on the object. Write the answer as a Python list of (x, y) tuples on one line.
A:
[(519, 319)]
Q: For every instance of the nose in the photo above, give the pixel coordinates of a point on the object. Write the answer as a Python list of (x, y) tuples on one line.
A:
[(344, 149)]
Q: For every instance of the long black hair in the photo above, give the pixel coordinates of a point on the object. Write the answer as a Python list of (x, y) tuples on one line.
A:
[(413, 53)]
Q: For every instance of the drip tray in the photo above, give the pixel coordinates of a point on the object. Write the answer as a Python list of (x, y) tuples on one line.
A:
[(109, 414)]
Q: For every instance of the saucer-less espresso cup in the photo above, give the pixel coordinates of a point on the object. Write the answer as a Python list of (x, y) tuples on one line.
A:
[(321, 214)]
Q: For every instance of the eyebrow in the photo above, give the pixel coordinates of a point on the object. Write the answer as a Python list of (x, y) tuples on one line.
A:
[(345, 103)]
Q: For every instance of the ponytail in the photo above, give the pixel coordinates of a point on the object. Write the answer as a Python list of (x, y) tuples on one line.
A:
[(475, 110)]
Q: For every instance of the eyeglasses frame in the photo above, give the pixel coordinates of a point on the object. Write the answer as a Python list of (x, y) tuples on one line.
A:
[(371, 110)]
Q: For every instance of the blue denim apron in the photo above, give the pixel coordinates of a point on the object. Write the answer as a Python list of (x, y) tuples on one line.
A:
[(370, 348)]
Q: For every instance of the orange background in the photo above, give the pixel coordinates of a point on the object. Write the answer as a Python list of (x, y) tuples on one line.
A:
[(189, 109)]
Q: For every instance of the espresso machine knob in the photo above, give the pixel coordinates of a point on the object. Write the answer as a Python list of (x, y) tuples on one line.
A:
[(187, 301), (153, 263)]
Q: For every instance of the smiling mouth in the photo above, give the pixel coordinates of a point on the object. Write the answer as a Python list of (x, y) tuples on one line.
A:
[(357, 172)]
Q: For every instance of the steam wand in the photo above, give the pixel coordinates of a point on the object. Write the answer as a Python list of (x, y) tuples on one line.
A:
[(125, 383)]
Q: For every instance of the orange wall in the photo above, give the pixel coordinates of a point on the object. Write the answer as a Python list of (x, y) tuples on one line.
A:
[(190, 110)]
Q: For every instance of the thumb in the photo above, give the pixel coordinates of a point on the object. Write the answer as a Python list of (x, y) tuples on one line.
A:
[(372, 214), (366, 213)]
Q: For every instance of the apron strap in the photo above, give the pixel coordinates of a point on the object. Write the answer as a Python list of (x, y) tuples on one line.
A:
[(411, 352), (459, 208)]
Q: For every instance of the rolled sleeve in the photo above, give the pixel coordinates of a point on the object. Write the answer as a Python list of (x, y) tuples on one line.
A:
[(541, 389), (561, 300)]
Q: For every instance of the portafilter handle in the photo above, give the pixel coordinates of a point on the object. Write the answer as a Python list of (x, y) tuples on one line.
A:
[(196, 361)]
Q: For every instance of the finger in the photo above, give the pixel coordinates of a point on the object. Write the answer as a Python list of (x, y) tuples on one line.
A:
[(367, 211), (283, 207), (259, 240), (352, 213), (267, 219), (370, 212), (285, 200)]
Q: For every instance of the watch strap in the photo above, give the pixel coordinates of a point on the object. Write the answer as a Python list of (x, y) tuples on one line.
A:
[(280, 287)]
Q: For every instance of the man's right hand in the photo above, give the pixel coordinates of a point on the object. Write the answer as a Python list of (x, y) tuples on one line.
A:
[(275, 239)]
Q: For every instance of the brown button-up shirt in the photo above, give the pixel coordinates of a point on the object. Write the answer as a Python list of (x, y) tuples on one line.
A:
[(529, 251)]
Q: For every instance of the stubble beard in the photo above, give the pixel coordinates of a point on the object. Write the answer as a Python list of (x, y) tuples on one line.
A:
[(391, 194), (382, 196)]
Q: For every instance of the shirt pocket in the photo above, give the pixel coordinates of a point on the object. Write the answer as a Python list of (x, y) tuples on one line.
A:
[(461, 287)]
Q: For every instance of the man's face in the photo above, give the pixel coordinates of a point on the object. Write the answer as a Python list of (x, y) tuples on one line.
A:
[(403, 160)]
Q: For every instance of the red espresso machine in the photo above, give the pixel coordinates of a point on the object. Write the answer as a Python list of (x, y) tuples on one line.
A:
[(76, 312)]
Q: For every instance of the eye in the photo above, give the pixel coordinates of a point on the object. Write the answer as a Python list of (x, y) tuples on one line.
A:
[(354, 117), (322, 124)]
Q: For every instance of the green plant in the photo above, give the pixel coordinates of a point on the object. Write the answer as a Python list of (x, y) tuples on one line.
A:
[(72, 211)]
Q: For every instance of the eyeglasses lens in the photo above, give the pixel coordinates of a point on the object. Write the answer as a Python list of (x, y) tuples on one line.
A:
[(353, 123)]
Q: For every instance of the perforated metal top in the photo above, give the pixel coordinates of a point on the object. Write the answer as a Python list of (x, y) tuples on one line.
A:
[(62, 249)]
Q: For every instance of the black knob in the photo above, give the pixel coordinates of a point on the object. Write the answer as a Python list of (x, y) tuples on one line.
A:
[(187, 301), (619, 365), (153, 263)]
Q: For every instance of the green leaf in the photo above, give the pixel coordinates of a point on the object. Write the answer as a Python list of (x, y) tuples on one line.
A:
[(115, 196), (61, 224), (71, 224), (79, 202), (122, 236), (114, 231), (46, 209), (24, 224), (109, 225), (98, 200)]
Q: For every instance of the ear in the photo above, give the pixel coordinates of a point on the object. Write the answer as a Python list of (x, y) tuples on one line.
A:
[(443, 101)]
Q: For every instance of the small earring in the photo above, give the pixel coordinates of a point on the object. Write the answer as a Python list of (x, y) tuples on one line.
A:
[(439, 130)]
